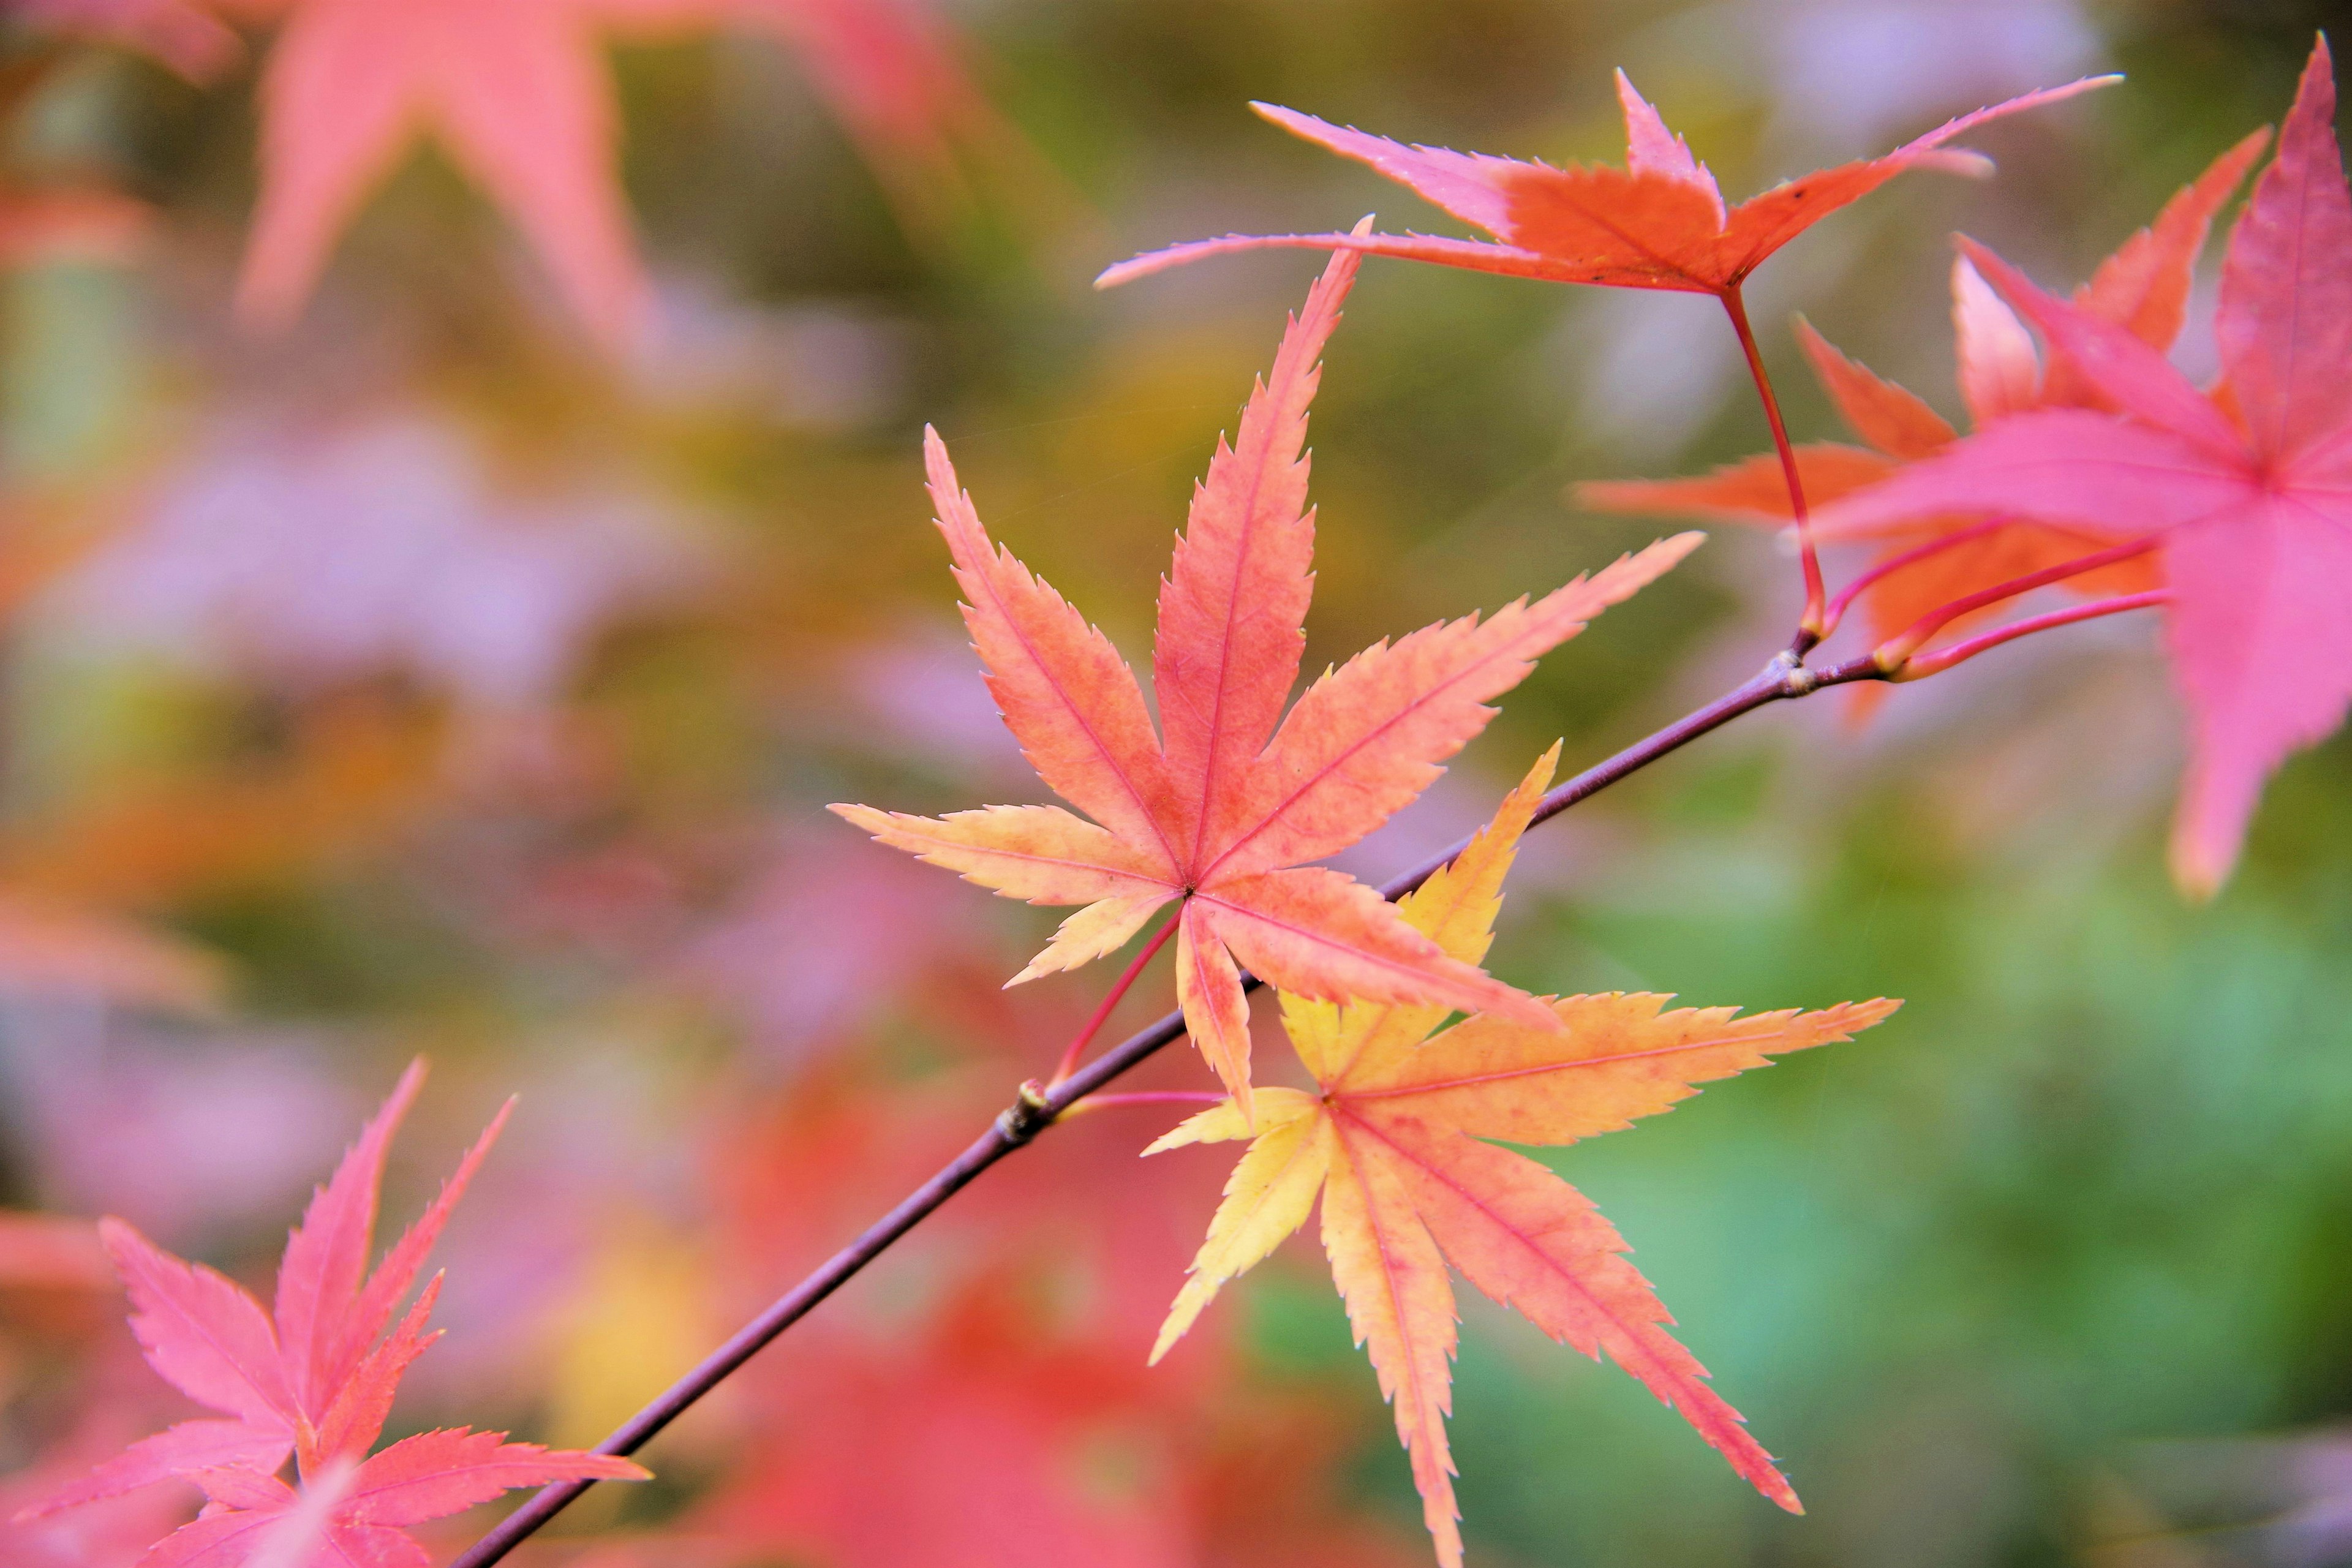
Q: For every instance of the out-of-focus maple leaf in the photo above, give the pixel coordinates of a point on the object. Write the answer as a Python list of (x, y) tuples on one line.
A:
[(2248, 484), (46, 949), (2143, 287), (517, 93), (183, 34), (1658, 223), (520, 98), (1395, 1143), (1223, 815), (312, 1378)]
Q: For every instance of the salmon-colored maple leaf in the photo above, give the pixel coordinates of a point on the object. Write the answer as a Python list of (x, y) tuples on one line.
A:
[(311, 1378), (1394, 1140), (1224, 812), (1658, 223), (2143, 287), (2250, 485)]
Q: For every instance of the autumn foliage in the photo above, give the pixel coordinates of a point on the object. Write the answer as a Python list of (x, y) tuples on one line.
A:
[(1029, 1375)]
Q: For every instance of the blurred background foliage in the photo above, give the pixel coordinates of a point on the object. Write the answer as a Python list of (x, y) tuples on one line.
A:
[(427, 679)]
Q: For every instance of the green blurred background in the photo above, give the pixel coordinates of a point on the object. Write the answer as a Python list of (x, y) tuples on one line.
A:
[(2052, 1268)]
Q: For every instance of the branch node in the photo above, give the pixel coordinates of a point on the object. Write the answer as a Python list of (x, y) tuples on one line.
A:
[(1026, 1117)]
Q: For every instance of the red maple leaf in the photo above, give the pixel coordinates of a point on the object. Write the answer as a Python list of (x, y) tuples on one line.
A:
[(1223, 814), (1658, 223), (2250, 485), (312, 1378)]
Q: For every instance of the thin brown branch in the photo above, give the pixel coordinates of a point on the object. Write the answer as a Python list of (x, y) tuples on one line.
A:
[(1785, 679)]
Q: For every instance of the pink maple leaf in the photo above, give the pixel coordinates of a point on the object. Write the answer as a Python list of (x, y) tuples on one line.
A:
[(311, 1377), (354, 1514), (2249, 484)]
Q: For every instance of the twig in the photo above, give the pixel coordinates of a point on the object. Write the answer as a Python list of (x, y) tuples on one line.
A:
[(1119, 988), (1942, 658), (1813, 627), (1892, 654), (1785, 679), (1095, 1102), (1835, 615)]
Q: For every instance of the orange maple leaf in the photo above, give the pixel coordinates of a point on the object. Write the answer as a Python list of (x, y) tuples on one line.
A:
[(1225, 812), (1394, 1141), (1658, 223), (2143, 287)]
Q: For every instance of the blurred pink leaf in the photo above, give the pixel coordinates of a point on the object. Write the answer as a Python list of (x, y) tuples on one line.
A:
[(520, 97)]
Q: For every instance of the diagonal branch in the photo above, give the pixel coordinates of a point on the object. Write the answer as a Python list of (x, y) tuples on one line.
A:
[(1785, 679)]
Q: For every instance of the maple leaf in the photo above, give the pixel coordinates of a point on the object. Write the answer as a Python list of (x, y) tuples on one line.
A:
[(357, 1512), (516, 93), (2143, 287), (1223, 812), (520, 97), (1658, 223), (311, 1377), (2250, 486), (1394, 1139)]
